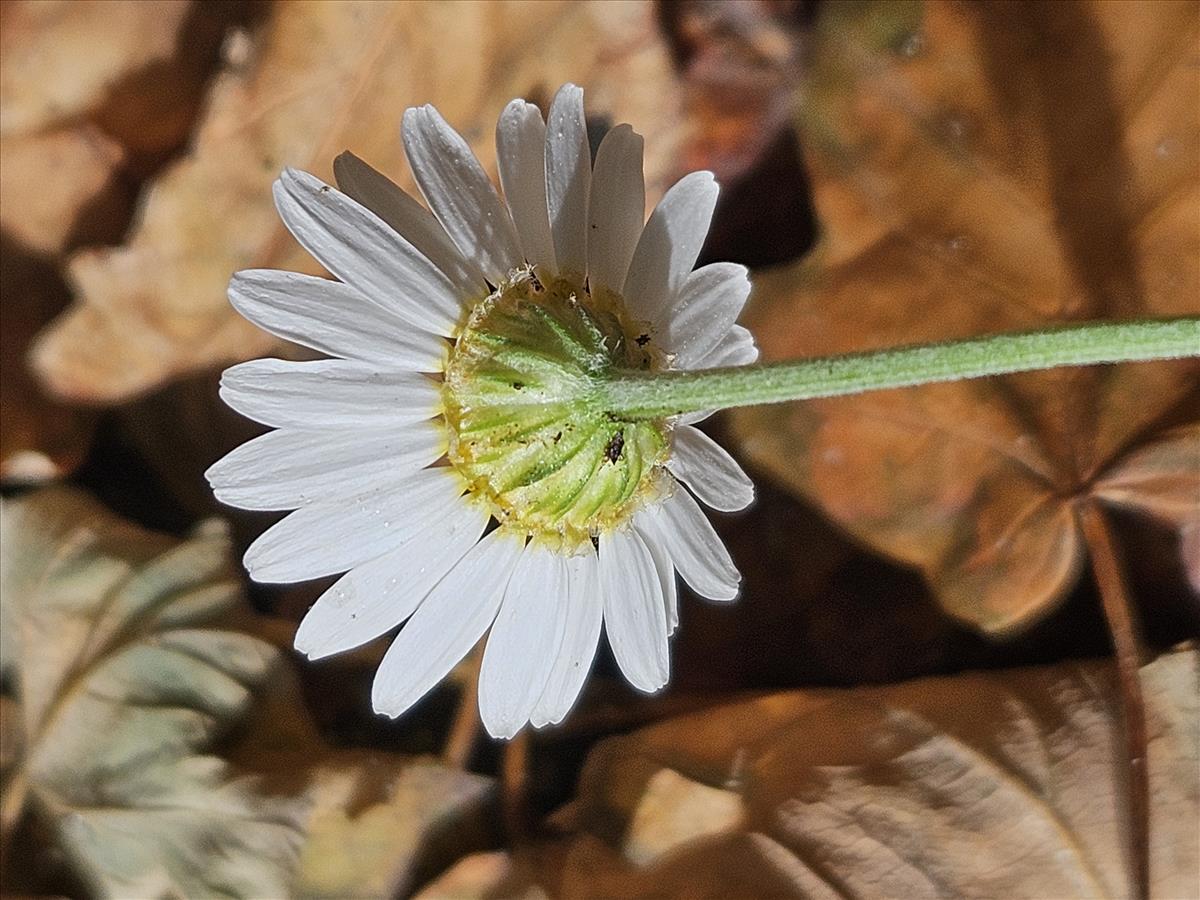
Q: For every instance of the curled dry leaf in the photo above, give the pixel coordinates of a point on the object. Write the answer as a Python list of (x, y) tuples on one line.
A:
[(50, 179), (40, 439), (1006, 784), (991, 168), (737, 61), (62, 60), (481, 876), (91, 94), (123, 685), (86, 90), (381, 823), (1162, 479), (319, 78)]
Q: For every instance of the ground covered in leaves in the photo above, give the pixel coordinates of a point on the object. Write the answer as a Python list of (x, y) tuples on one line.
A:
[(916, 694)]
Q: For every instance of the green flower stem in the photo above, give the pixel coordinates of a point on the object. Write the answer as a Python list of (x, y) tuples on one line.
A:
[(646, 395)]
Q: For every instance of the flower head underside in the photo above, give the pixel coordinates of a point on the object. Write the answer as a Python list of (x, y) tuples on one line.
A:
[(455, 457)]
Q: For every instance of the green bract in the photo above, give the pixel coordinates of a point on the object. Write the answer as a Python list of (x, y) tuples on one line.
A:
[(529, 429)]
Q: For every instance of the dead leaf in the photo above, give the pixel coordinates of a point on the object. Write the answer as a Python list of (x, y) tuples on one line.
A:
[(136, 70), (51, 180), (92, 95), (481, 876), (989, 168), (381, 823), (40, 440), (12, 738), (737, 61), (1005, 784), (375, 824), (123, 686), (738, 64), (61, 60), (318, 79), (1162, 479)]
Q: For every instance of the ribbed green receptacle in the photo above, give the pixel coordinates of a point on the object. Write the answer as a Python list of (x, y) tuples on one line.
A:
[(528, 423)]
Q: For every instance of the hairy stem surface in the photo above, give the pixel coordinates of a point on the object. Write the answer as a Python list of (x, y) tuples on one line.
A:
[(648, 395)]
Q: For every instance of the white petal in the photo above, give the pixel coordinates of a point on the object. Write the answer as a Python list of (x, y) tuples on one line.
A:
[(289, 468), (524, 641), (708, 305), (634, 611), (568, 177), (334, 318), (328, 392), (446, 625), (712, 474), (338, 534), (362, 250), (459, 193), (410, 219), (669, 245), (616, 208), (735, 349), (376, 596), (521, 157), (666, 575), (696, 551), (581, 636)]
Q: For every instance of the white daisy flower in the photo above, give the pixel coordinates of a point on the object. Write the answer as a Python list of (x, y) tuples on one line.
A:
[(470, 343)]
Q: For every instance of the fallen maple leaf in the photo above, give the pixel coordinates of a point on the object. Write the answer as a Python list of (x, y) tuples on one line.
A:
[(1005, 784), (317, 79), (992, 168)]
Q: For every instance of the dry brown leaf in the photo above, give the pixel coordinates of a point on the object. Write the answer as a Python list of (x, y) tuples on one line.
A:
[(738, 64), (380, 822), (481, 876), (990, 168), (1005, 784), (737, 61), (13, 733), (376, 824), (61, 60), (1161, 478), (39, 439), (50, 179), (136, 70), (91, 96), (320, 78)]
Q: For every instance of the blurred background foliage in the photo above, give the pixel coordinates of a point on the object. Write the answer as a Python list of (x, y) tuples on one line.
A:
[(893, 172)]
